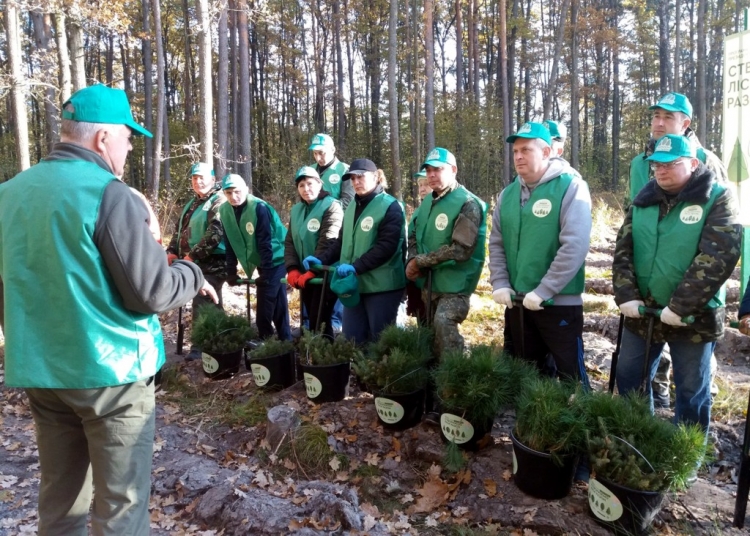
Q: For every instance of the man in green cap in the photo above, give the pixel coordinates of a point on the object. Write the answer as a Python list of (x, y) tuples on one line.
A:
[(79, 314), (678, 244), (449, 225), (537, 248), (423, 187), (255, 238), (671, 115), (199, 236), (330, 169)]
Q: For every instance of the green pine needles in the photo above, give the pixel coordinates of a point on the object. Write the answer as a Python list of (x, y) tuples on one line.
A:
[(272, 347), (396, 363), (478, 385), (317, 349), (216, 332)]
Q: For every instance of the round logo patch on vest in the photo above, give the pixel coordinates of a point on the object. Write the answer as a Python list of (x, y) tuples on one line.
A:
[(335, 178), (313, 225), (542, 208), (249, 228), (691, 214), (207, 206), (441, 222), (366, 224)]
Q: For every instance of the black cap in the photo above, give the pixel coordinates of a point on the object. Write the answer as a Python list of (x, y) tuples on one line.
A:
[(358, 167)]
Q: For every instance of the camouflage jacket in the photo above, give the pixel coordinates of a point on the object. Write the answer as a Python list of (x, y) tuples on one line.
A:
[(718, 252), (202, 252)]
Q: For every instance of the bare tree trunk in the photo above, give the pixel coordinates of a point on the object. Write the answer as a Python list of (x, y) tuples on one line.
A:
[(459, 59), (63, 58), (245, 109), (341, 132), (18, 86), (551, 88), (207, 104), (148, 90), (188, 80), (42, 35), (222, 97), (475, 48), (615, 106), (574, 118), (701, 70), (662, 11), (393, 100), (234, 96), (161, 109), (505, 94), (677, 48), (429, 69), (77, 65)]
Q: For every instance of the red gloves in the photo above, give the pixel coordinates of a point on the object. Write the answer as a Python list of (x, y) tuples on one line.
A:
[(292, 277), (303, 279), (171, 257), (187, 258)]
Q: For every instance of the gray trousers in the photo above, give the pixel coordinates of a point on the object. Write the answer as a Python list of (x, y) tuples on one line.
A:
[(94, 443)]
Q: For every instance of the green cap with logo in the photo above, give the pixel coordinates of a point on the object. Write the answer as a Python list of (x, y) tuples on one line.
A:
[(321, 142), (674, 102), (201, 168), (438, 158), (532, 130), (556, 130), (306, 172), (102, 104), (232, 180), (421, 174), (671, 147), (346, 288)]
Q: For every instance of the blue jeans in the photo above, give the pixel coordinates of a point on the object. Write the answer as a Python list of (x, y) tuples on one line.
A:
[(692, 374), (337, 319), (271, 305), (371, 315)]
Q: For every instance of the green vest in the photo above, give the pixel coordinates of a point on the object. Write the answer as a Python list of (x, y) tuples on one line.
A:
[(242, 236), (434, 229), (358, 241), (531, 235), (199, 223), (305, 222), (664, 250), (331, 177), (67, 329)]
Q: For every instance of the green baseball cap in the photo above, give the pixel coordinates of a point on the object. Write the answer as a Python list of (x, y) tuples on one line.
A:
[(671, 147), (305, 172), (421, 174), (674, 102), (321, 142), (201, 168), (439, 157), (232, 180), (346, 288), (102, 104), (556, 130), (532, 130)]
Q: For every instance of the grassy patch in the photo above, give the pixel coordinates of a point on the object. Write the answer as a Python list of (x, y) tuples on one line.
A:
[(606, 217), (592, 272), (250, 413), (593, 303), (367, 471), (731, 402), (309, 449)]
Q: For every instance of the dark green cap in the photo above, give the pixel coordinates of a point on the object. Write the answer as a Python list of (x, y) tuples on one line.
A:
[(532, 130), (674, 102), (671, 147), (102, 104), (346, 288)]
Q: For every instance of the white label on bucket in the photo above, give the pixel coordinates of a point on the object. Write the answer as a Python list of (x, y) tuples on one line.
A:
[(312, 385), (261, 374), (603, 502), (515, 462), (389, 410), (210, 365), (455, 428)]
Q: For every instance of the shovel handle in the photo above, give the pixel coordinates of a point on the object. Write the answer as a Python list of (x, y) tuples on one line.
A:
[(314, 281), (518, 298), (656, 312), (246, 281), (322, 268)]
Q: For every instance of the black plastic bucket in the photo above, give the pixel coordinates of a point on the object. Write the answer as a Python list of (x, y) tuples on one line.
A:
[(465, 434), (536, 474), (219, 366), (623, 510), (326, 383), (400, 411), (274, 372)]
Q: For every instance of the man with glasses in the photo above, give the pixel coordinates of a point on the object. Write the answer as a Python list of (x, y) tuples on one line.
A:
[(671, 115), (677, 246)]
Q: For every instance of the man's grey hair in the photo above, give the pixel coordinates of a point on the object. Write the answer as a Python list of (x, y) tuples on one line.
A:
[(541, 143), (80, 131)]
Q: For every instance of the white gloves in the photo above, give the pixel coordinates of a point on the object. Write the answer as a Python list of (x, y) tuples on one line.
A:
[(669, 317), (630, 308), (533, 302), (503, 296)]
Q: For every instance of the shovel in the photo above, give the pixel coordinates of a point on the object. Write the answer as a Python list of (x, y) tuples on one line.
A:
[(518, 300), (616, 355)]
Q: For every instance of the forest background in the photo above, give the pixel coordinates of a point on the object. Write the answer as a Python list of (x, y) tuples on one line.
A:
[(246, 83)]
